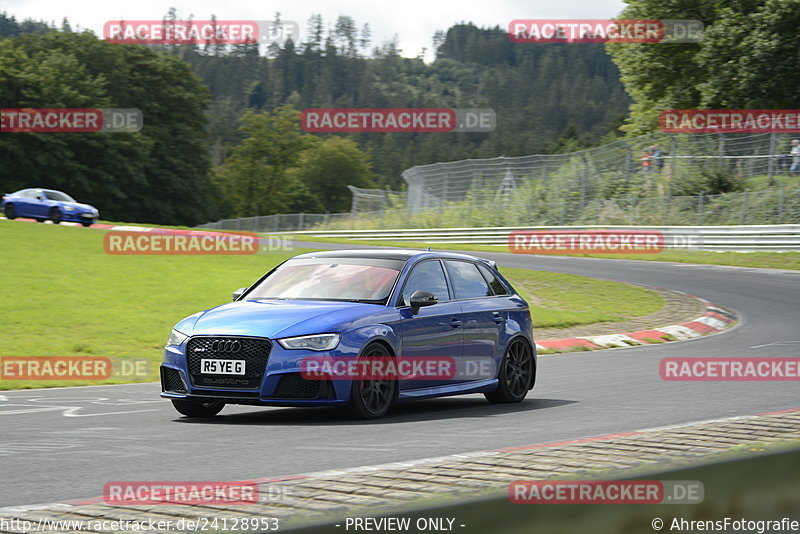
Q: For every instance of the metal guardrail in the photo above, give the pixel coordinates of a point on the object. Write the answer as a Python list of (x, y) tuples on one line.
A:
[(741, 238)]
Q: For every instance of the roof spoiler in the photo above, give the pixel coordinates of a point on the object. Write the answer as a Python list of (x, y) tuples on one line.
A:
[(492, 263)]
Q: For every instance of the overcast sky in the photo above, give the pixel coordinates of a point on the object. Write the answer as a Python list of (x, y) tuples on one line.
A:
[(413, 21)]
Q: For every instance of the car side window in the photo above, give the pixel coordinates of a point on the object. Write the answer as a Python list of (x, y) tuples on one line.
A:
[(467, 280), (426, 276), (497, 286)]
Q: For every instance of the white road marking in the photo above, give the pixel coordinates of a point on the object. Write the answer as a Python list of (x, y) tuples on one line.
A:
[(32, 410), (70, 410), (63, 388), (777, 344), (71, 413)]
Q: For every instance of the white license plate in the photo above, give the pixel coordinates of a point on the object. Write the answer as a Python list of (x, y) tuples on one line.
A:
[(222, 367)]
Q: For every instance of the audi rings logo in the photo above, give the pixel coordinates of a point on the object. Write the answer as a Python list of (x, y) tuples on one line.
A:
[(226, 345)]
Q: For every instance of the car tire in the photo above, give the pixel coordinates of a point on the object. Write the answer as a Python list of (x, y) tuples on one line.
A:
[(87, 225), (371, 399), (198, 409), (10, 212), (55, 215), (517, 374)]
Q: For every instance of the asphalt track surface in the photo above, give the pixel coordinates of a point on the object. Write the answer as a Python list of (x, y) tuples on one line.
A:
[(63, 444)]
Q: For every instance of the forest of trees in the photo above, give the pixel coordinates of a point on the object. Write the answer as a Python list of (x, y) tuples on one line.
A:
[(537, 92), (197, 144)]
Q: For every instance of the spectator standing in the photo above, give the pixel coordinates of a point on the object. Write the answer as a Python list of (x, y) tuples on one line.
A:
[(795, 154), (657, 157), (646, 160)]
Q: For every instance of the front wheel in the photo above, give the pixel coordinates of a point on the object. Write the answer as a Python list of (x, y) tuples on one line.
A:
[(55, 215), (517, 373), (86, 224), (371, 399), (198, 409), (9, 211)]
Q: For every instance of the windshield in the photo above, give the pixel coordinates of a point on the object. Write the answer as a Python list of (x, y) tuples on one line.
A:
[(59, 196), (368, 280)]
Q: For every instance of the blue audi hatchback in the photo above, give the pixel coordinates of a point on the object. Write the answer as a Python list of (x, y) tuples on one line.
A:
[(353, 305)]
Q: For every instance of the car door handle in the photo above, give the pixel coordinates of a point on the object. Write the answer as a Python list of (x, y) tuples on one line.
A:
[(497, 317), (455, 323)]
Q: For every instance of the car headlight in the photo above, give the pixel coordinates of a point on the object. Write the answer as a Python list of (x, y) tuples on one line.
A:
[(176, 338), (315, 342)]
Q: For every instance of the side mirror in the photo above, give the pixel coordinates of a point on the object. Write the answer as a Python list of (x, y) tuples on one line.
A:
[(420, 299), (238, 293)]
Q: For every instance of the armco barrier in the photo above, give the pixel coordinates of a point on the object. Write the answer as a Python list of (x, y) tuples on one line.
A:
[(743, 238)]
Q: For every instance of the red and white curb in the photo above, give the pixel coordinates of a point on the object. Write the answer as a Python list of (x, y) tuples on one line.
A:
[(714, 320)]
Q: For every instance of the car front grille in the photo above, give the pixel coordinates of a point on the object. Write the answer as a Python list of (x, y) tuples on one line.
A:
[(171, 381), (254, 352)]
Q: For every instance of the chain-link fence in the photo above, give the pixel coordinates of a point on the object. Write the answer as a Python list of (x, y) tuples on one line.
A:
[(774, 206), (658, 179)]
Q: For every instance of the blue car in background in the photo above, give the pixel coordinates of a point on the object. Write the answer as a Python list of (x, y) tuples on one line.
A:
[(44, 204), (354, 305)]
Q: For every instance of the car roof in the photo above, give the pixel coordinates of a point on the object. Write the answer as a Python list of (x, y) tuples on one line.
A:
[(37, 189), (387, 254)]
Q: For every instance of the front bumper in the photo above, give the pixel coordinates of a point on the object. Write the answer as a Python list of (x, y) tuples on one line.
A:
[(279, 384), (79, 217)]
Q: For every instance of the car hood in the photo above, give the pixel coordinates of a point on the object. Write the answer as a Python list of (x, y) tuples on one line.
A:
[(277, 318)]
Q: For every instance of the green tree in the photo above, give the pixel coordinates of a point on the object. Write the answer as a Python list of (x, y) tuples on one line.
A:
[(747, 59), (254, 178), (329, 167)]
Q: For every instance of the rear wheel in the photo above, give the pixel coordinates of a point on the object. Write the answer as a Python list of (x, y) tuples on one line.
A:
[(371, 399), (198, 409), (87, 224), (55, 215), (516, 375), (10, 212)]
